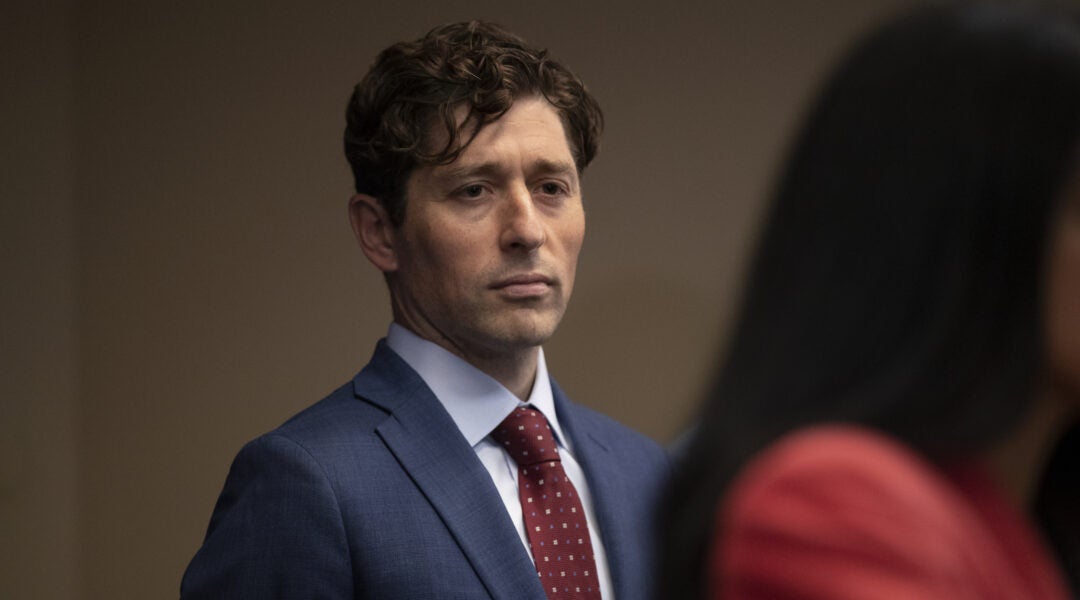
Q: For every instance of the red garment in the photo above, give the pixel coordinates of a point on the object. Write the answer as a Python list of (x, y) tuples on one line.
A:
[(842, 513)]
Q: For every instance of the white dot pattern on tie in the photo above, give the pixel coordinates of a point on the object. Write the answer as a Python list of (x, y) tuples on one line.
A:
[(555, 522)]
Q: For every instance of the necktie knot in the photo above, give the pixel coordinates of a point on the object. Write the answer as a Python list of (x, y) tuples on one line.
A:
[(526, 435)]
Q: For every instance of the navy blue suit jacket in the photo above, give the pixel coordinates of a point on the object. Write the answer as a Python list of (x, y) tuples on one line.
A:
[(373, 492)]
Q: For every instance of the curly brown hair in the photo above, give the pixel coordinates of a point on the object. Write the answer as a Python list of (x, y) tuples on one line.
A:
[(416, 88)]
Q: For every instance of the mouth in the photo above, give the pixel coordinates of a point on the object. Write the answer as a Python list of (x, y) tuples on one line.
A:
[(526, 285)]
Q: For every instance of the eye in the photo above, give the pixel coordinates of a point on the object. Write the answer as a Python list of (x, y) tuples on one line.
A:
[(552, 188), (472, 191)]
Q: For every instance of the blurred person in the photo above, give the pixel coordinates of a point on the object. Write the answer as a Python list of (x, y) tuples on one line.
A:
[(908, 349), (451, 466), (1057, 504)]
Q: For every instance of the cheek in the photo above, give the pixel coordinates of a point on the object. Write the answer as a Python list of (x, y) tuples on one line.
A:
[(455, 266), (572, 235)]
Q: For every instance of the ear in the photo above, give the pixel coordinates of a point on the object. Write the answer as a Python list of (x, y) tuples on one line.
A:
[(374, 232)]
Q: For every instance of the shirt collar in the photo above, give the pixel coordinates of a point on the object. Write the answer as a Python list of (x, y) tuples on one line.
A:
[(476, 402)]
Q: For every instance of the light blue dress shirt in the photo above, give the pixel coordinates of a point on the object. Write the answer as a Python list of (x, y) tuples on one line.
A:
[(477, 404)]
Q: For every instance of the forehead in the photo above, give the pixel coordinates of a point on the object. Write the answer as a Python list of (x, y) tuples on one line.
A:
[(531, 125)]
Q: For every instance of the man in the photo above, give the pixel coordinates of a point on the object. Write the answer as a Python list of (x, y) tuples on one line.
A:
[(421, 478)]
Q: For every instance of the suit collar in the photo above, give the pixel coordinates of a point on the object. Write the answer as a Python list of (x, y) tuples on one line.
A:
[(571, 420), (603, 470), (430, 447), (476, 402)]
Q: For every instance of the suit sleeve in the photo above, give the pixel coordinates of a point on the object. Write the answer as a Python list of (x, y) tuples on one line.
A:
[(811, 523), (276, 531)]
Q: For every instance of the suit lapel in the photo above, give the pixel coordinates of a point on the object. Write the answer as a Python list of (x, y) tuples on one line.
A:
[(601, 468), (430, 447)]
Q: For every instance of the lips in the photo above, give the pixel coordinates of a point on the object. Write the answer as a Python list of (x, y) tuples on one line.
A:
[(527, 285)]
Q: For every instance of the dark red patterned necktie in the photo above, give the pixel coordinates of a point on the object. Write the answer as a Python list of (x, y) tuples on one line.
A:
[(554, 517)]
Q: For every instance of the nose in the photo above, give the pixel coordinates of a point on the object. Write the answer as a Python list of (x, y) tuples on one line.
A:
[(523, 227)]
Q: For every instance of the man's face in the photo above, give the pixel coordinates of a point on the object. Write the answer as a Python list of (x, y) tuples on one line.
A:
[(486, 255)]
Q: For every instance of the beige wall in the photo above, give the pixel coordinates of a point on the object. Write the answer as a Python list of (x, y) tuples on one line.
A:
[(38, 378), (180, 276)]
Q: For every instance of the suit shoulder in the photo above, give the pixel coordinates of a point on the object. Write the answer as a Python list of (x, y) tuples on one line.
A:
[(613, 434), (340, 415)]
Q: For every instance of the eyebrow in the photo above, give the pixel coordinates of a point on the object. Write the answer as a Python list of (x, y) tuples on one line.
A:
[(492, 168), (554, 167), (455, 172)]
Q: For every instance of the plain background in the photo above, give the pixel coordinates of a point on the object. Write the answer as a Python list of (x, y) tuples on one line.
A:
[(179, 274)]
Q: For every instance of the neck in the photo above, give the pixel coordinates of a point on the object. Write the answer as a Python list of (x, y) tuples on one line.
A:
[(514, 368), (1017, 462), (516, 373)]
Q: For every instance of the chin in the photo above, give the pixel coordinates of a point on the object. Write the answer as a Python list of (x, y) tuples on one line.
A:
[(522, 338), (526, 339), (533, 326)]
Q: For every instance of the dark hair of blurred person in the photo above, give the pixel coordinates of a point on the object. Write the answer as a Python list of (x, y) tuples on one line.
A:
[(913, 275)]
